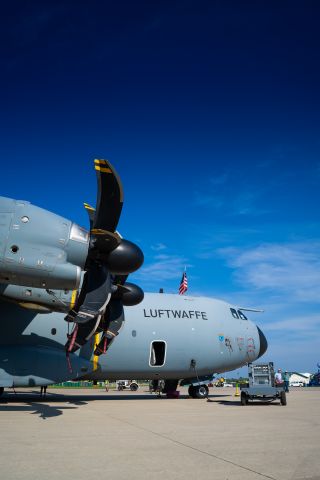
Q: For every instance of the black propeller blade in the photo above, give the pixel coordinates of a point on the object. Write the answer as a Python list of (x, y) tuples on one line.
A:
[(110, 259), (111, 324), (109, 197), (91, 212), (106, 216), (95, 294)]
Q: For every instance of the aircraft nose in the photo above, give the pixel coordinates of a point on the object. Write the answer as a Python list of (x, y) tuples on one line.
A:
[(263, 343)]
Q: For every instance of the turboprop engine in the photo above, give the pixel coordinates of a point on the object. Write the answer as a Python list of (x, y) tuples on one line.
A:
[(49, 262)]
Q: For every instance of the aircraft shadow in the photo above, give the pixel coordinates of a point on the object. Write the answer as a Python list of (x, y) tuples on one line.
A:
[(44, 411), (45, 406), (33, 403), (74, 398)]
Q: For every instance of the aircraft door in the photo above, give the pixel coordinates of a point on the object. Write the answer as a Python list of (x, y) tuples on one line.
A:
[(158, 351)]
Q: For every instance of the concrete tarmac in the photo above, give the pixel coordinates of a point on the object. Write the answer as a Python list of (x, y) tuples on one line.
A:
[(87, 434)]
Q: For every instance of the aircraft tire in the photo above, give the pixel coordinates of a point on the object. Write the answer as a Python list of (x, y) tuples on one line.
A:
[(200, 391), (1, 391), (283, 398), (191, 391), (244, 398), (134, 387)]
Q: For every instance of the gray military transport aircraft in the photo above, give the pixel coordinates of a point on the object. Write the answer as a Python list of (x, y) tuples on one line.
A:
[(68, 312)]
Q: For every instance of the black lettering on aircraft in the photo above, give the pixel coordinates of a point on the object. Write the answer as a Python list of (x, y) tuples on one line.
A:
[(160, 313)]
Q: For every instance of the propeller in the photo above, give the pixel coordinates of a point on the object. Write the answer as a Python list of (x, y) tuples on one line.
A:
[(109, 261), (127, 294)]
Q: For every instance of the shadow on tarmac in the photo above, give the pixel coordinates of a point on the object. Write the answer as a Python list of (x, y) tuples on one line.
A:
[(44, 411), (44, 406), (232, 403)]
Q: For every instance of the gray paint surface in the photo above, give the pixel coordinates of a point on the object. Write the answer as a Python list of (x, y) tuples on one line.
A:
[(32, 345)]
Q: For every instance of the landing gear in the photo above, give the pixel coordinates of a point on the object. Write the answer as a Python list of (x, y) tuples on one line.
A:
[(170, 386), (244, 398), (1, 391), (198, 391), (190, 391), (283, 398)]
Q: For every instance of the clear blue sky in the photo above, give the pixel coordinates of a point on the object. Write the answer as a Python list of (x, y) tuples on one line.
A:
[(209, 110)]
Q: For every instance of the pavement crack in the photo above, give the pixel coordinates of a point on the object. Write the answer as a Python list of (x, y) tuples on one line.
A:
[(177, 442)]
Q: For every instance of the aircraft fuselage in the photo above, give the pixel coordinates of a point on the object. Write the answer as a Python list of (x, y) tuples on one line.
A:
[(166, 336)]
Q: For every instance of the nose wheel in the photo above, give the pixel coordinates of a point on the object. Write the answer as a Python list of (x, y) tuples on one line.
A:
[(244, 398), (198, 391), (283, 398)]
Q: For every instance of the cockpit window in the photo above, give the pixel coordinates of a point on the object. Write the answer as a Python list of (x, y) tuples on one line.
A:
[(234, 312), (241, 315), (237, 314)]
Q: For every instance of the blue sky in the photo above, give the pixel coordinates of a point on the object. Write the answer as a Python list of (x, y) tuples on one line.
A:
[(209, 111)]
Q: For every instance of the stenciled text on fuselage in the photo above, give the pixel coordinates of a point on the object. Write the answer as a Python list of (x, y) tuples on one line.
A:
[(160, 313)]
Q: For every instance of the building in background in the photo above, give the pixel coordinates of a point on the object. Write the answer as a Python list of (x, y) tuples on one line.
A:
[(299, 379)]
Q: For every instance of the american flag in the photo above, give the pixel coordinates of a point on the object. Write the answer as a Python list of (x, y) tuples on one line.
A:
[(183, 284)]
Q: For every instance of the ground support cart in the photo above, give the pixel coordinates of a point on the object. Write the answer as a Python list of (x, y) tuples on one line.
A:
[(262, 385)]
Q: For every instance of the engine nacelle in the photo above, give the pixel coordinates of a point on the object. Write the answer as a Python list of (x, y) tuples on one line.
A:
[(39, 248), (39, 299)]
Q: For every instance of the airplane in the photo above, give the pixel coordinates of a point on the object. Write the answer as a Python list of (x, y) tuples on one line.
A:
[(68, 312)]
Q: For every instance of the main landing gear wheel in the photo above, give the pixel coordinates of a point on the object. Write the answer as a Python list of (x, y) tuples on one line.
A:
[(244, 398), (190, 391), (283, 398), (134, 387), (198, 391)]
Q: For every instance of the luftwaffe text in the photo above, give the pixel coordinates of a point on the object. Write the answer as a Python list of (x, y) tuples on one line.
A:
[(154, 312)]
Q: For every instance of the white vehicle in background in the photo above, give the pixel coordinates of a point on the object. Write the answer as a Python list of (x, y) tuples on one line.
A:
[(227, 385), (127, 384), (296, 384)]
